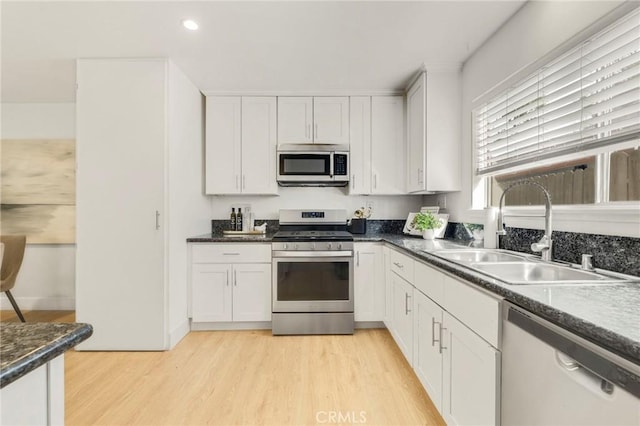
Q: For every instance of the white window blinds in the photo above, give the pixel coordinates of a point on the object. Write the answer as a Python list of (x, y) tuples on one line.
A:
[(587, 98)]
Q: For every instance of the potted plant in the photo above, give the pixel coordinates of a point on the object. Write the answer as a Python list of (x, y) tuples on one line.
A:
[(427, 222), (476, 230)]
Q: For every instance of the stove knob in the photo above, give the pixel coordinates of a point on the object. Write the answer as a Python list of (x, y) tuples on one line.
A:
[(313, 246), (284, 247), (339, 246), (295, 246), (329, 246)]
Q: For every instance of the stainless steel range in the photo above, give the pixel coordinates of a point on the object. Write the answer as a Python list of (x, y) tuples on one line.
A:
[(312, 257)]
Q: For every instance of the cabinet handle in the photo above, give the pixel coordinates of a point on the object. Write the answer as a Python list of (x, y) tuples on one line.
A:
[(406, 303), (375, 181), (357, 258), (157, 220), (419, 175), (442, 329), (227, 278), (236, 181), (433, 332), (315, 135), (231, 254), (399, 265), (307, 132), (235, 278), (353, 181), (244, 181)]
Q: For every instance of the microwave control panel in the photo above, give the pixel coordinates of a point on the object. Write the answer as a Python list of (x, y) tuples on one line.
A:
[(340, 164)]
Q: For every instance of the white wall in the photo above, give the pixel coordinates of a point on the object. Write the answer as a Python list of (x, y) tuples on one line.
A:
[(267, 207), (47, 277), (187, 206), (534, 31)]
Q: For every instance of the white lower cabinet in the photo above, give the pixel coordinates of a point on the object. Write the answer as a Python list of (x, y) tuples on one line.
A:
[(211, 297), (471, 385), (252, 292), (403, 315), (454, 361), (225, 292), (369, 290), (240, 292), (427, 350)]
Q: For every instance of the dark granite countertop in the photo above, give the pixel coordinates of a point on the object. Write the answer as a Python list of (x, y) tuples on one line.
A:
[(26, 346), (219, 237), (606, 314)]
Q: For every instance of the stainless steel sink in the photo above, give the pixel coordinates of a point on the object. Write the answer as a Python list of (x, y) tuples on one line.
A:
[(477, 255), (540, 273)]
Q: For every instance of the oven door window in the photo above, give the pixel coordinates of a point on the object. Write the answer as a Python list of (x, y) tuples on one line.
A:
[(305, 164), (313, 281)]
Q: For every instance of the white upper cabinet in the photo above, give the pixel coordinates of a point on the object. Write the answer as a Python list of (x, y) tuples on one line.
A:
[(241, 145), (377, 147), (323, 120), (434, 132), (360, 145), (223, 144), (331, 120), (387, 145), (259, 141), (295, 119)]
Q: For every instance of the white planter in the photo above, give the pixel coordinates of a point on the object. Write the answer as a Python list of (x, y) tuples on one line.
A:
[(428, 234)]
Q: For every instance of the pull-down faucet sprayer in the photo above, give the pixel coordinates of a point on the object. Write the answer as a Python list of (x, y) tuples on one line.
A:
[(544, 246)]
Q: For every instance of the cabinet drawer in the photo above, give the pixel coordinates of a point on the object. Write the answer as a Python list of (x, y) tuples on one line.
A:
[(429, 281), (475, 309), (402, 265), (231, 253)]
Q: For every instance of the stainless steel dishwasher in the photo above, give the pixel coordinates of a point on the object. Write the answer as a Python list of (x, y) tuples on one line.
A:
[(553, 377)]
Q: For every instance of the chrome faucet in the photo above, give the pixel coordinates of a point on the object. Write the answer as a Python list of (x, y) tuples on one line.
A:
[(544, 246)]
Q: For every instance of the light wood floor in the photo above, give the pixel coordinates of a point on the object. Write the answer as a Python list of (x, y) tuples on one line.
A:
[(248, 378)]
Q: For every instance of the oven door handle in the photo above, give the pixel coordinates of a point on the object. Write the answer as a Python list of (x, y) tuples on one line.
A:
[(343, 253)]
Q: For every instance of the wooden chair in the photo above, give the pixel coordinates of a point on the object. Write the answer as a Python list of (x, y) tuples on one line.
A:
[(11, 261)]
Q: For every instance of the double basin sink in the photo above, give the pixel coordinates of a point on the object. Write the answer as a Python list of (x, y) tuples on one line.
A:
[(522, 269)]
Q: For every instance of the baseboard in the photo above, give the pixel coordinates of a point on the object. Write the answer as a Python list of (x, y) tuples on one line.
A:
[(178, 333), (369, 324), (209, 326), (39, 303)]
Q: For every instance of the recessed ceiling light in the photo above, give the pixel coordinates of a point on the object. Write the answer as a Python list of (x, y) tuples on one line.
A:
[(190, 24)]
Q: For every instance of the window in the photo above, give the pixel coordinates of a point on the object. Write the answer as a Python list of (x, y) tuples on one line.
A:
[(573, 125)]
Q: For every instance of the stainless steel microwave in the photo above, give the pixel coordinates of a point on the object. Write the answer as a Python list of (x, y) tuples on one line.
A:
[(313, 165)]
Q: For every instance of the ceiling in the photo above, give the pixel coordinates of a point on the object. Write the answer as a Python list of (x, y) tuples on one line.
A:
[(243, 46)]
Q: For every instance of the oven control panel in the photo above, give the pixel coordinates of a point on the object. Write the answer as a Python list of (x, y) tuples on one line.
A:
[(313, 246)]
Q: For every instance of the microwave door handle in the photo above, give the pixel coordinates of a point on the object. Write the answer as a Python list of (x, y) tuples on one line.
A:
[(331, 160)]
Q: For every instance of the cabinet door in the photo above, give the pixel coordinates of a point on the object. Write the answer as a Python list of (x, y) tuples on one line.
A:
[(360, 144), (259, 145), (211, 292), (416, 135), (403, 316), (471, 369), (443, 128), (387, 145), (252, 292), (427, 357), (368, 283), (331, 120), (295, 119), (223, 145)]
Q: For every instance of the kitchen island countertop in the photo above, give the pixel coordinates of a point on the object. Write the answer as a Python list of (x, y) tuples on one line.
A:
[(26, 346)]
